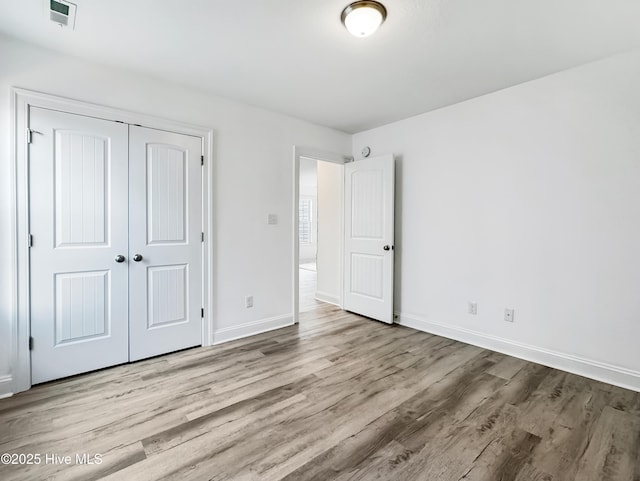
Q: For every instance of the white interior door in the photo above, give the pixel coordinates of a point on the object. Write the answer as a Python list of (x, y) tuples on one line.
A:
[(165, 242), (369, 237), (78, 218)]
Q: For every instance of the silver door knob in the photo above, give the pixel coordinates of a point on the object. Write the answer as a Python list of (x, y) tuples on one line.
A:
[(120, 258), (387, 248), (137, 257)]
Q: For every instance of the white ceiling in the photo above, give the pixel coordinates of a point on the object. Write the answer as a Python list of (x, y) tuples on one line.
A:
[(295, 57)]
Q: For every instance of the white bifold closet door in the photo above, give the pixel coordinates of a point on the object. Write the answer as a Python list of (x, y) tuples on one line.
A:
[(165, 247), (78, 169), (116, 221)]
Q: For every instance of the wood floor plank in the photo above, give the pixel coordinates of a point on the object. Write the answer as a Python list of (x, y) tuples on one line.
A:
[(447, 450), (613, 452), (507, 367), (336, 398), (453, 396)]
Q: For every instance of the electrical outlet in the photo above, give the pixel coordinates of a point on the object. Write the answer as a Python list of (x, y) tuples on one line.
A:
[(472, 308), (248, 301), (272, 219), (508, 315)]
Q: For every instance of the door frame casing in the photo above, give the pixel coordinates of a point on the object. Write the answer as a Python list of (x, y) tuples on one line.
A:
[(322, 156), (21, 101)]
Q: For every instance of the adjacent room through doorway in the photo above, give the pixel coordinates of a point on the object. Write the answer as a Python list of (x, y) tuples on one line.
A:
[(319, 233), (308, 233)]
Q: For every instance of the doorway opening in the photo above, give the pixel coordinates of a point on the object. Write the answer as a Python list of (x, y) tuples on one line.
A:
[(318, 230), (308, 234)]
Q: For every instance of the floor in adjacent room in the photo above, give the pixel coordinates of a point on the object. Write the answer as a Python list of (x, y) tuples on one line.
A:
[(337, 397), (308, 279)]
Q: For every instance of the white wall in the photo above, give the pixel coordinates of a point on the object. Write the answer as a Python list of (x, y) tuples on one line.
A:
[(330, 178), (252, 169), (309, 190), (527, 198)]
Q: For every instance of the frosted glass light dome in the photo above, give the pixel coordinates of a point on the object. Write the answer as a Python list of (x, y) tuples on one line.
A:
[(363, 18)]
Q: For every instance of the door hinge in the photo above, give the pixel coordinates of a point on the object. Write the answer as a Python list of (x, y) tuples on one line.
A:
[(30, 133), (30, 343), (202, 312), (202, 160), (202, 237), (30, 240)]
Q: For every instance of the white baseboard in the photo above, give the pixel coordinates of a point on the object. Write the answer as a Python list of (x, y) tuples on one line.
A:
[(328, 298), (227, 334), (6, 386), (616, 375)]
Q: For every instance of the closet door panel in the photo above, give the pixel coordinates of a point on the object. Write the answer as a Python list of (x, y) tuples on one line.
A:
[(78, 191), (165, 242)]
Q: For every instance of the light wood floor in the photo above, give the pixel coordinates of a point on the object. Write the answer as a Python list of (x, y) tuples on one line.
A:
[(338, 397), (308, 283)]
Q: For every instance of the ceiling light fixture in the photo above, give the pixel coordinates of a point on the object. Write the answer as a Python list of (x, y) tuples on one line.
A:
[(362, 18)]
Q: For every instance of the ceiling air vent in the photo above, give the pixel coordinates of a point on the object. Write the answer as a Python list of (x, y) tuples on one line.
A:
[(63, 13)]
